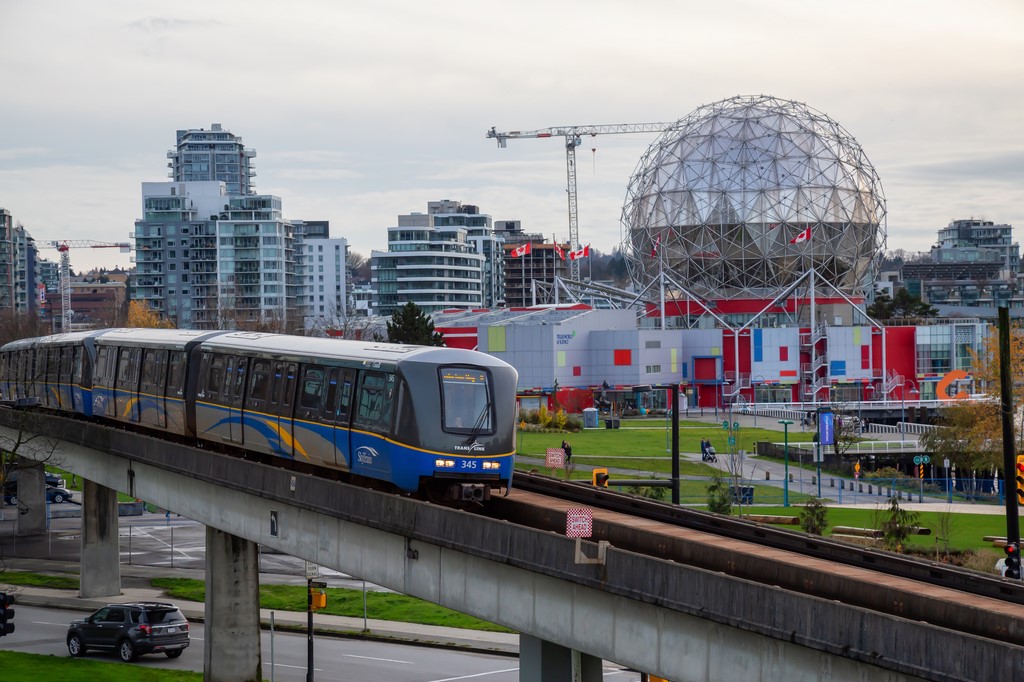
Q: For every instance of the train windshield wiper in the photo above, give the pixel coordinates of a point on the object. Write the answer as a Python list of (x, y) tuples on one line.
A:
[(480, 421)]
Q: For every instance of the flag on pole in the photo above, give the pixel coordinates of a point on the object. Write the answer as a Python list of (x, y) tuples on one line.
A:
[(654, 249), (580, 253), (521, 251), (804, 236), (559, 251)]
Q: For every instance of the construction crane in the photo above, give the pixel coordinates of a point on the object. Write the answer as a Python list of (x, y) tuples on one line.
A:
[(574, 138), (65, 246)]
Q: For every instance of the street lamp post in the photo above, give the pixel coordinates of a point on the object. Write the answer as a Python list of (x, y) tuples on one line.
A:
[(755, 382), (903, 409), (868, 390), (785, 449)]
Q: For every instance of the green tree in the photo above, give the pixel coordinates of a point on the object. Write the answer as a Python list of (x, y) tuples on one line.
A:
[(719, 497), (897, 525), (903, 305), (411, 325), (814, 517)]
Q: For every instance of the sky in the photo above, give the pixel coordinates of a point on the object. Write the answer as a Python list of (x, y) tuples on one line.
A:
[(363, 111)]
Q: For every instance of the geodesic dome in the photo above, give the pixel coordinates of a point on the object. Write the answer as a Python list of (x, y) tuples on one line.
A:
[(743, 196)]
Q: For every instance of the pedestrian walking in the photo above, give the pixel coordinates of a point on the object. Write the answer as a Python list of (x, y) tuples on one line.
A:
[(567, 449)]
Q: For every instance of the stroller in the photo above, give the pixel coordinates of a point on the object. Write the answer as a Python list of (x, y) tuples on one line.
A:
[(709, 454)]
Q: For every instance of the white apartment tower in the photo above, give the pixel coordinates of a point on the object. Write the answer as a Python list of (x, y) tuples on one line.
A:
[(433, 259), (214, 154), (207, 259)]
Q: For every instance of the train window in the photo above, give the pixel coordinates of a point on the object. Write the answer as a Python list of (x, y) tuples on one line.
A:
[(278, 382), (373, 411), (128, 368), (236, 391), (66, 361), (215, 376), (466, 405), (76, 366), (101, 367), (154, 371), (346, 393), (260, 380), (149, 367), (229, 377), (312, 388), (176, 378), (289, 384), (330, 409)]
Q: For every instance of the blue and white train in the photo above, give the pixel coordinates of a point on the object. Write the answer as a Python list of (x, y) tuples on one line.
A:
[(439, 422)]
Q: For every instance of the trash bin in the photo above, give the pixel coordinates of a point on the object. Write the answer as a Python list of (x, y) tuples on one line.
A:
[(612, 423), (590, 420), (742, 494)]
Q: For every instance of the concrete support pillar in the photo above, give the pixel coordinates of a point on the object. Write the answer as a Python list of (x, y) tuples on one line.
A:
[(232, 651), (542, 661), (31, 497), (100, 563)]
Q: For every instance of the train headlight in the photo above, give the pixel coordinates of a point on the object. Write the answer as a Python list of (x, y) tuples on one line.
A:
[(444, 463), (492, 465)]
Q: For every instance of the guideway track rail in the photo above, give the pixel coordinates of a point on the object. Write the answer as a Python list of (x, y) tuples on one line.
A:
[(889, 563)]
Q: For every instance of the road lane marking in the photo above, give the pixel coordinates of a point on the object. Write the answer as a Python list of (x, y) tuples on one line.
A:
[(469, 677), (371, 658)]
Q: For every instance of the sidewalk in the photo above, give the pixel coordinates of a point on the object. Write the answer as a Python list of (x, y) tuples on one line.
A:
[(135, 587)]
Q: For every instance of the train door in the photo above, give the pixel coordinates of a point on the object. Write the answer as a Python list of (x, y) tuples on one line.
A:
[(337, 411), (257, 404), (233, 393), (153, 386), (174, 402), (281, 400), (372, 419), (126, 388), (65, 378), (312, 437), (50, 355)]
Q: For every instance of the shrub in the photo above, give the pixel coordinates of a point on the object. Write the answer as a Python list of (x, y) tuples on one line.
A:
[(719, 497), (896, 525), (814, 517)]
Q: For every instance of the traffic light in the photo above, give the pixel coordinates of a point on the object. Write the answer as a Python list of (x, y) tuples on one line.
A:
[(599, 477), (6, 614), (1012, 560), (1020, 479)]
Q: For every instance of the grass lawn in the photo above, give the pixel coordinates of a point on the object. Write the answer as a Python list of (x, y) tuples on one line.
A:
[(648, 438), (15, 665), (965, 531)]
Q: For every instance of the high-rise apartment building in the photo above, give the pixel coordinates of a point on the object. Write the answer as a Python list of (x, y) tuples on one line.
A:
[(6, 260), (214, 154), (324, 283), (208, 259), (432, 261), (983, 235)]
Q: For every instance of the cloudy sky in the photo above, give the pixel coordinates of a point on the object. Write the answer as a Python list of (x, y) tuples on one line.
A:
[(361, 111)]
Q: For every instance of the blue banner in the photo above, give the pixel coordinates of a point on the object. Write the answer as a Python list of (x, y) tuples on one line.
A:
[(826, 428)]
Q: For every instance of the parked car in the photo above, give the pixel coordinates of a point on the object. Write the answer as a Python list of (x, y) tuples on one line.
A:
[(55, 495), (131, 630), (52, 480)]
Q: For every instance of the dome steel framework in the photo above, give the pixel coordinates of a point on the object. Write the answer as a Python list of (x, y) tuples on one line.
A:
[(724, 199)]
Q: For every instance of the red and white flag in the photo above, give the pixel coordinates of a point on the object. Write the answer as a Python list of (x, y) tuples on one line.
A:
[(654, 249), (559, 251), (804, 236), (521, 251), (580, 253)]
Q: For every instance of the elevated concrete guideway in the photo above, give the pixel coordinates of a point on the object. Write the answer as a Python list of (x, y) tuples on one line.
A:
[(673, 620)]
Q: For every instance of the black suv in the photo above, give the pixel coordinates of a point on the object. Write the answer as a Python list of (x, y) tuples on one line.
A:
[(146, 627)]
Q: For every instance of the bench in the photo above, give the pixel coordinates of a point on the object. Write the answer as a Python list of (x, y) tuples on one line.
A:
[(779, 520), (851, 531)]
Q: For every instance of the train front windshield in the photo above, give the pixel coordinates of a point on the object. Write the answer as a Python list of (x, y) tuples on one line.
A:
[(466, 400)]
